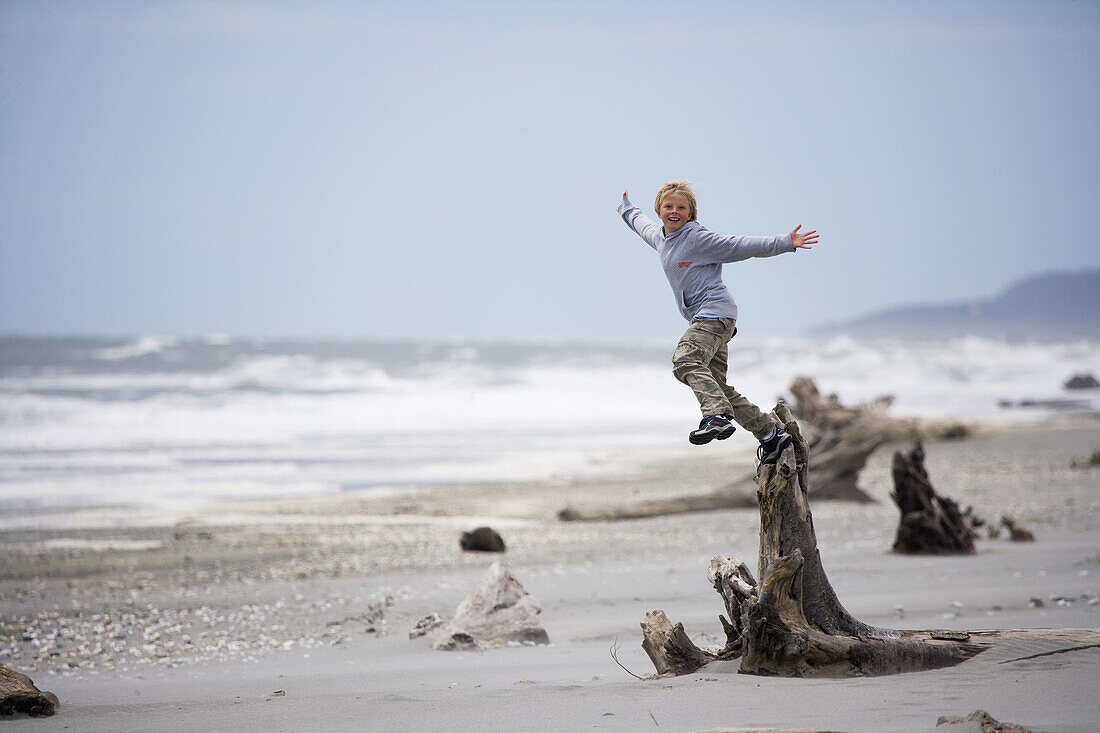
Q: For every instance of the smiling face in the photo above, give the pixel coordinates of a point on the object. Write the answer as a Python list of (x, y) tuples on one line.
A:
[(675, 211)]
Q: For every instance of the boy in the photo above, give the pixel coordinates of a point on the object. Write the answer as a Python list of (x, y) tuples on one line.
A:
[(692, 258)]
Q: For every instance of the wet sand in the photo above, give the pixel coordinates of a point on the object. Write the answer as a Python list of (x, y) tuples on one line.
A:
[(194, 621)]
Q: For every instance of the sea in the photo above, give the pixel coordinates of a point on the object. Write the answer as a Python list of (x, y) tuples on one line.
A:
[(162, 424)]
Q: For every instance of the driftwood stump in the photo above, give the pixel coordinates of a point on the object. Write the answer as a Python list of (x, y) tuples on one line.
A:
[(791, 623), (19, 695), (930, 524)]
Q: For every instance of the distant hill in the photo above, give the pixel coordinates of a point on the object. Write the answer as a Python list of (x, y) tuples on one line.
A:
[(1056, 306)]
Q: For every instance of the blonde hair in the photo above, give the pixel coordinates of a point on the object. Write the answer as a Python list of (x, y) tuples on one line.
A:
[(684, 189)]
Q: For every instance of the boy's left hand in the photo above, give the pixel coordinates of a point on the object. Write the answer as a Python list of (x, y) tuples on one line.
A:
[(803, 241)]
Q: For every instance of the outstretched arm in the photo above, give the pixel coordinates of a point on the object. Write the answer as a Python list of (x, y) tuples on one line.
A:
[(648, 230), (801, 240)]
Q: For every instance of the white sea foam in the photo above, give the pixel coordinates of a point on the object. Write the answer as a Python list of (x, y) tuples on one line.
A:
[(142, 347), (305, 421)]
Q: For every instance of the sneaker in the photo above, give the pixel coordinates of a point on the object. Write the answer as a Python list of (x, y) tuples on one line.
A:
[(773, 445), (711, 427)]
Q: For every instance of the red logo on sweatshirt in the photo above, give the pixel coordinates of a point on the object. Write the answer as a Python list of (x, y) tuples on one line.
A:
[(684, 264)]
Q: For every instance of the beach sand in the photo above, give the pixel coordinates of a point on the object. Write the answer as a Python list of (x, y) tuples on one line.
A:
[(294, 614)]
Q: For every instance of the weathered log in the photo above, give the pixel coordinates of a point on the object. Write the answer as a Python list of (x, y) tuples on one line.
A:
[(822, 412), (19, 695), (843, 438), (870, 418), (930, 524), (791, 623)]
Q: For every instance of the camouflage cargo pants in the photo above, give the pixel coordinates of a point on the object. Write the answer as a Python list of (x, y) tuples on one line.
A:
[(700, 362)]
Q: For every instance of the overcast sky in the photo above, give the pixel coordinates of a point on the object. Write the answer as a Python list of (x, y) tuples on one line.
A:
[(451, 169)]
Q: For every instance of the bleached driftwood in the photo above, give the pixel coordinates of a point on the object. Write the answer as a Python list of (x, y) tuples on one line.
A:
[(869, 418), (930, 524), (791, 623), (19, 695), (500, 612), (669, 647), (841, 438)]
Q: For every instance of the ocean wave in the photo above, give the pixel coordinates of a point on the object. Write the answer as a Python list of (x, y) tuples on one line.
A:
[(256, 419), (142, 347)]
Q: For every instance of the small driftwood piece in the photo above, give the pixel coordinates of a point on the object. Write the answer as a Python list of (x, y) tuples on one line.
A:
[(791, 623), (1016, 533), (930, 524), (19, 695), (669, 647)]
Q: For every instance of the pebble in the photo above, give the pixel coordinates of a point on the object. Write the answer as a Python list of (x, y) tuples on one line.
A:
[(146, 635)]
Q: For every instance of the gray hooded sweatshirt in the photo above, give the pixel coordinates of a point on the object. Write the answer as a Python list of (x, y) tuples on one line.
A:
[(692, 258)]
